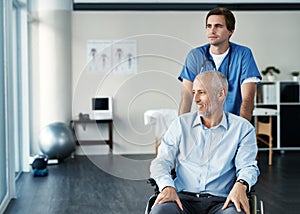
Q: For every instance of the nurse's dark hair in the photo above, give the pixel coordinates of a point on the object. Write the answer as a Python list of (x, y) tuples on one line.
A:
[(229, 17)]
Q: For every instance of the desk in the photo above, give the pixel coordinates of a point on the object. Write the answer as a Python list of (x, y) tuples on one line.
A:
[(74, 123)]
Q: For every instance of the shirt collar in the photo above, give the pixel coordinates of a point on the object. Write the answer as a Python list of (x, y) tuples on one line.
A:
[(224, 122)]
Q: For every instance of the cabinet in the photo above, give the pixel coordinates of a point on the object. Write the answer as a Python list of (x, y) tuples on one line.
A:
[(283, 96)]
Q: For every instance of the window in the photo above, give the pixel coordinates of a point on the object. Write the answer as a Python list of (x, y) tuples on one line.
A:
[(3, 146)]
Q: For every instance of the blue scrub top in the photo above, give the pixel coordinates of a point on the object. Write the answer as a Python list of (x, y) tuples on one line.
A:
[(238, 65)]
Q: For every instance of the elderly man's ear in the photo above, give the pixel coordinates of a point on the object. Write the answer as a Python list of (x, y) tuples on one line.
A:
[(222, 94)]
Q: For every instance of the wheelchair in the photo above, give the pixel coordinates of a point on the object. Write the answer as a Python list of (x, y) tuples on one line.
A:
[(255, 208)]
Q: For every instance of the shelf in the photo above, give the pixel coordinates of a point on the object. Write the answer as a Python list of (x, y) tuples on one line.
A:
[(266, 104), (290, 104), (92, 142), (283, 96)]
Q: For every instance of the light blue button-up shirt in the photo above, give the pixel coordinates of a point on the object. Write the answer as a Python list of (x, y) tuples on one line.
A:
[(208, 160)]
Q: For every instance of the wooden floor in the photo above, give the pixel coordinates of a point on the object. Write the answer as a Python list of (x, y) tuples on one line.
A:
[(278, 185), (78, 186)]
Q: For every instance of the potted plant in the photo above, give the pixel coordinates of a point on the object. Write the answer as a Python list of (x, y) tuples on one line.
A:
[(270, 71), (295, 75)]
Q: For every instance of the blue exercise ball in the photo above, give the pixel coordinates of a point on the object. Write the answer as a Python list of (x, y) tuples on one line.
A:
[(57, 140)]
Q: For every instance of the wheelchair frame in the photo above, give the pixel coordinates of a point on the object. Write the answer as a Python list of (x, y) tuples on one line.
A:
[(254, 207)]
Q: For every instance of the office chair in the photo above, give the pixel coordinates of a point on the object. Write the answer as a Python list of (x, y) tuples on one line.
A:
[(265, 128), (254, 208)]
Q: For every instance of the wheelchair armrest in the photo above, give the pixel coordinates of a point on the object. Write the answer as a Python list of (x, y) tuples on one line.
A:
[(152, 182), (250, 193)]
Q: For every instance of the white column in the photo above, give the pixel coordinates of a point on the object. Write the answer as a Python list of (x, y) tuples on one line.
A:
[(51, 64)]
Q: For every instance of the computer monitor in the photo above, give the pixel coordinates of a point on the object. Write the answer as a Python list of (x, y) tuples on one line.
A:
[(102, 108)]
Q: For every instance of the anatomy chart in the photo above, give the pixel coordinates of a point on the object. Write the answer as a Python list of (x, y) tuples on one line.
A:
[(116, 56)]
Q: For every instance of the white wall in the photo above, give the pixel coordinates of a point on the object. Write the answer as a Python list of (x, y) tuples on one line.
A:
[(273, 37)]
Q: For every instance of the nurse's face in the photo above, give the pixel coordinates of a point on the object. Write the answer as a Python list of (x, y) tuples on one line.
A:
[(216, 30)]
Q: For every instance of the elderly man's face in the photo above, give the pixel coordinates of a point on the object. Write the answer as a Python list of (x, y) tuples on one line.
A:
[(205, 96)]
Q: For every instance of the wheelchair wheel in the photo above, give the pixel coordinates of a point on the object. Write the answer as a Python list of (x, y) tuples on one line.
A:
[(253, 204), (150, 203), (261, 207)]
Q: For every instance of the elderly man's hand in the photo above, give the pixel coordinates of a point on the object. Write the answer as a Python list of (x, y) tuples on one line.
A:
[(168, 195), (239, 197)]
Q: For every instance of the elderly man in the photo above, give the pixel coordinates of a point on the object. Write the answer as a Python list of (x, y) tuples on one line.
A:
[(214, 153)]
